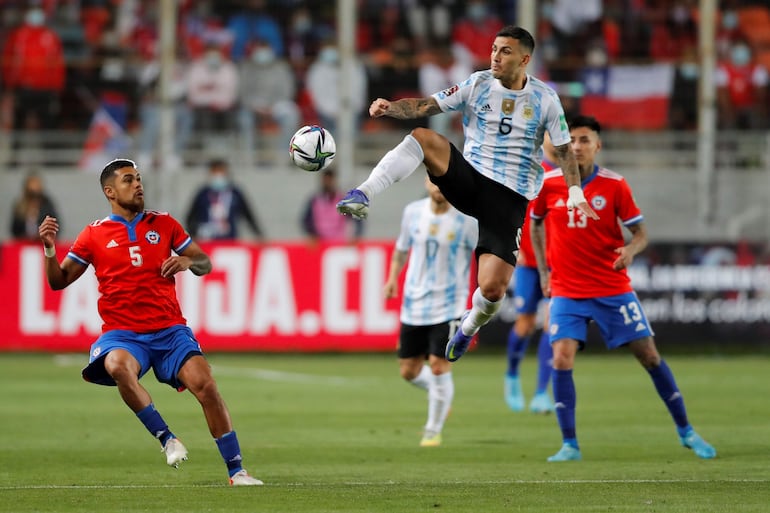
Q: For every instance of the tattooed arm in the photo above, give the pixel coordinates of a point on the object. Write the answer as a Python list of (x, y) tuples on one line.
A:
[(569, 166), (406, 108)]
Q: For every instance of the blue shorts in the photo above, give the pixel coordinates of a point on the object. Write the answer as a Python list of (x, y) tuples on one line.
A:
[(165, 351), (620, 319), (527, 293)]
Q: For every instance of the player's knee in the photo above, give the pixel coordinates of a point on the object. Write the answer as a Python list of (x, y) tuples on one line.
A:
[(121, 367)]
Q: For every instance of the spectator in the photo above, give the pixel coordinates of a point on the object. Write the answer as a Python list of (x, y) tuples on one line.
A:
[(430, 21), (741, 89), (303, 37), (218, 206), (267, 92), (439, 70), (323, 84), (252, 24), (149, 109), (213, 90), (471, 33), (33, 72), (320, 221), (31, 208), (397, 78)]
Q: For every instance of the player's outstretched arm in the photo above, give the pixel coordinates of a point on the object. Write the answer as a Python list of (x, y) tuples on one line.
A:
[(569, 166), (192, 258), (405, 108), (58, 275)]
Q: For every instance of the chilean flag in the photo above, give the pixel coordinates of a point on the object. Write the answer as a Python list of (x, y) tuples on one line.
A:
[(106, 139), (628, 97)]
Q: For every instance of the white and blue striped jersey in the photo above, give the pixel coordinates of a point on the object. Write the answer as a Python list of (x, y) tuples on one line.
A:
[(436, 285), (504, 128)]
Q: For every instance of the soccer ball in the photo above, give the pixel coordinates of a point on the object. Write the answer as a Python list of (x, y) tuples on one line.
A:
[(312, 148)]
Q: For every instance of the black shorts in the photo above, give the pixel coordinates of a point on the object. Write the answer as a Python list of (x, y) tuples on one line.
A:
[(425, 340), (499, 210)]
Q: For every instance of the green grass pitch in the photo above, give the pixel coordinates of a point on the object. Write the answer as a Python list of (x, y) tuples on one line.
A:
[(340, 433)]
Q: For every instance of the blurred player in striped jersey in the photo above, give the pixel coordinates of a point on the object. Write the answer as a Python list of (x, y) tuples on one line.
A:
[(587, 281), (506, 113), (438, 241)]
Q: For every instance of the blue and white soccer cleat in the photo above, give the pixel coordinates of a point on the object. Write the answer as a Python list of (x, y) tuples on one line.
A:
[(541, 403), (354, 204), (514, 397), (699, 446), (175, 452), (459, 343), (566, 453)]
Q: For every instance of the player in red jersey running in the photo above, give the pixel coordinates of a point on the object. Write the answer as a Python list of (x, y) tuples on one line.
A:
[(587, 281), (135, 254)]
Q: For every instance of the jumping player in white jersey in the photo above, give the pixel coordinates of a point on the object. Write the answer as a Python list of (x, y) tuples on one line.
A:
[(505, 116), (438, 241)]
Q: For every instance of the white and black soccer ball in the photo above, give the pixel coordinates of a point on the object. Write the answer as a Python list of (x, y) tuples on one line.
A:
[(312, 148)]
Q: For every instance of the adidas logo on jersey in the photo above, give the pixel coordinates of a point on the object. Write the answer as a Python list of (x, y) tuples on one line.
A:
[(641, 327), (486, 108), (560, 203), (112, 244)]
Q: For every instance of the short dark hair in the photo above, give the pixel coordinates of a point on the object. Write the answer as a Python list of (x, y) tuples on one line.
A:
[(585, 121), (524, 38), (112, 166), (218, 162)]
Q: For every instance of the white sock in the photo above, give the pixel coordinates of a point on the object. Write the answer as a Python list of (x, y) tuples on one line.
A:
[(481, 312), (396, 165), (423, 379), (440, 395)]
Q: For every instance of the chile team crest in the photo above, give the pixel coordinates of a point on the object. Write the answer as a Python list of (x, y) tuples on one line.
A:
[(152, 237)]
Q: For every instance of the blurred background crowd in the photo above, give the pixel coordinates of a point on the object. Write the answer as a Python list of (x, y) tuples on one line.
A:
[(250, 72)]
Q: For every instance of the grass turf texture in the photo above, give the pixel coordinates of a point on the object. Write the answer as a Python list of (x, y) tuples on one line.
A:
[(341, 432)]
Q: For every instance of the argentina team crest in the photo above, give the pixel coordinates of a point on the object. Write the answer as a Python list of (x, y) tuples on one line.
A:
[(152, 237), (508, 106)]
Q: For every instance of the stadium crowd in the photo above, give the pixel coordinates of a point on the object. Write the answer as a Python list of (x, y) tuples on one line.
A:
[(104, 53)]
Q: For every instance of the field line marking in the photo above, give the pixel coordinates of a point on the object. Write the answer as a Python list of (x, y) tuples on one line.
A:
[(252, 373), (393, 483)]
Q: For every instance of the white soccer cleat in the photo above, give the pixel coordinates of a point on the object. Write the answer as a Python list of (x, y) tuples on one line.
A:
[(175, 452), (242, 478)]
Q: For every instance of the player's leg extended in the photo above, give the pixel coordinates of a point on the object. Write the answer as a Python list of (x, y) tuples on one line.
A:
[(646, 352), (564, 351), (125, 369), (440, 395), (196, 376), (494, 275), (422, 145)]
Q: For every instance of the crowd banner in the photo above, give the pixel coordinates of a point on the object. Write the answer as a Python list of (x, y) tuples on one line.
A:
[(286, 297)]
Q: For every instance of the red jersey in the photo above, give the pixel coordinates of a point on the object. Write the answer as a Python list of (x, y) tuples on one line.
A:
[(127, 257), (582, 250), (526, 256)]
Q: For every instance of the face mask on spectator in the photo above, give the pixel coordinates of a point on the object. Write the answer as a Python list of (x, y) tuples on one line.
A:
[(477, 12), (302, 25), (263, 55), (35, 17), (219, 182), (213, 59), (689, 70), (729, 20), (740, 55), (596, 57), (328, 55)]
